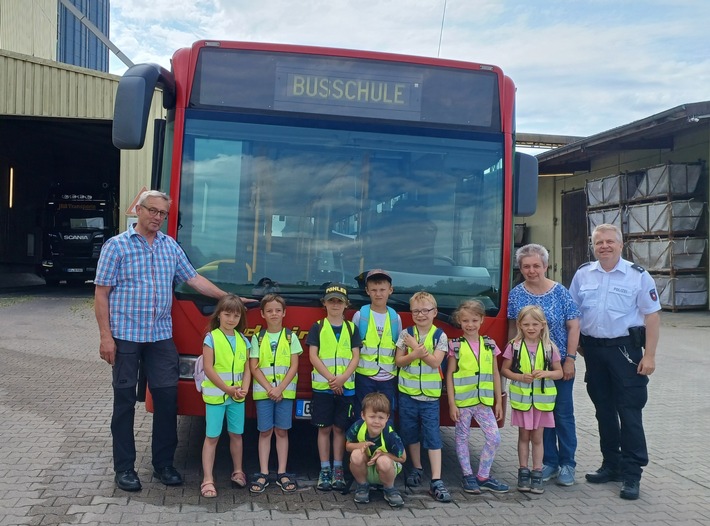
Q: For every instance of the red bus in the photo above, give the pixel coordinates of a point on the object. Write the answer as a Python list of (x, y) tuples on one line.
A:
[(291, 167)]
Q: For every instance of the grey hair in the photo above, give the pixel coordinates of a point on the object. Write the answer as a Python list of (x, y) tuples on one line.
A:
[(607, 227), (532, 249), (153, 193)]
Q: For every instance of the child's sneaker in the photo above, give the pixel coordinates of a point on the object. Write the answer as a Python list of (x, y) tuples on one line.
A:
[(338, 479), (536, 481), (470, 484), (524, 479), (491, 484), (393, 497), (362, 493), (566, 476), (325, 480)]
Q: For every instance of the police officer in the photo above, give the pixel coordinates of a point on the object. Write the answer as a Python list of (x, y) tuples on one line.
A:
[(619, 304)]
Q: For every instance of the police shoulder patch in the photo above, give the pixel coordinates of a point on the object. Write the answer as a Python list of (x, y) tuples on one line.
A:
[(653, 294), (638, 267)]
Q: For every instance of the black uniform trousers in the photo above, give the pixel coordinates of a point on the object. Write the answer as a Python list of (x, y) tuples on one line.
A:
[(160, 364), (619, 394)]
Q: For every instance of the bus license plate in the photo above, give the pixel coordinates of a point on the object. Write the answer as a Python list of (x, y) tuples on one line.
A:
[(303, 409), (75, 270)]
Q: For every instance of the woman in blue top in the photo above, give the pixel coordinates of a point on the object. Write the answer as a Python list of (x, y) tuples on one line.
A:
[(562, 315)]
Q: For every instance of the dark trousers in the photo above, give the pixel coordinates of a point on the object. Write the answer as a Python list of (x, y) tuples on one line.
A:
[(160, 364), (619, 394)]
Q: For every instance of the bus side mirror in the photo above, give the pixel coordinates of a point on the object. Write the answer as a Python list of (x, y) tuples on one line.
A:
[(133, 99), (525, 175)]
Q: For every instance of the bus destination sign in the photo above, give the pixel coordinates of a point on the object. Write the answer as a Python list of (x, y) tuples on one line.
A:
[(364, 93)]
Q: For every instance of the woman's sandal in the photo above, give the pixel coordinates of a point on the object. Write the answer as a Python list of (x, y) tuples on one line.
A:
[(286, 483), (256, 485), (208, 490), (239, 479)]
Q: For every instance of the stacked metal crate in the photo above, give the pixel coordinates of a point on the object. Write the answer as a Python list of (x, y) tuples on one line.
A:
[(662, 215)]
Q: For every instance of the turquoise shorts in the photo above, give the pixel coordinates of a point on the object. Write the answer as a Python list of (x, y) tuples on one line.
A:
[(214, 418)]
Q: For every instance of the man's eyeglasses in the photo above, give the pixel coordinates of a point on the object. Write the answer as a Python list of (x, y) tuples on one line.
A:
[(417, 312), (155, 212)]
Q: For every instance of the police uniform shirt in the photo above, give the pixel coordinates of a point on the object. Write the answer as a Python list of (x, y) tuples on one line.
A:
[(611, 302)]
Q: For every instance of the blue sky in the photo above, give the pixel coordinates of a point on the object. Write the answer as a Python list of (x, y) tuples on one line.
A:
[(581, 67)]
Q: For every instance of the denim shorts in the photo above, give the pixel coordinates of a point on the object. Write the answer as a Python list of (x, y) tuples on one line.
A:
[(270, 414), (214, 418), (419, 422)]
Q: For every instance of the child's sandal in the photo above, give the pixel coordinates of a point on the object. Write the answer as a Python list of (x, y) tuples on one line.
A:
[(439, 492), (239, 479), (414, 478), (286, 482), (258, 483), (208, 490)]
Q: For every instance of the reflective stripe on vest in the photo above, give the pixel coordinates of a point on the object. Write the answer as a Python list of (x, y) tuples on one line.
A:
[(228, 364), (473, 381), (541, 393), (418, 378), (275, 370), (362, 437), (377, 352), (335, 355)]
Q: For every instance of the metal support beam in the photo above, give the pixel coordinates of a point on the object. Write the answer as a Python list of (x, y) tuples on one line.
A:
[(96, 31)]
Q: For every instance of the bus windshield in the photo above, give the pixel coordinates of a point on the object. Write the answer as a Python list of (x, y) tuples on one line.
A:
[(268, 204)]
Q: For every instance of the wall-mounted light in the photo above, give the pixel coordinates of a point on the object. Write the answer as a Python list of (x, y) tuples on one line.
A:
[(696, 118), (12, 187)]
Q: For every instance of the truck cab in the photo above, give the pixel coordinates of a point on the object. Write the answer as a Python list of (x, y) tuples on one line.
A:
[(75, 226)]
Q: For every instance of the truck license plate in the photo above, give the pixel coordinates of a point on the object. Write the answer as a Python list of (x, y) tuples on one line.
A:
[(75, 270), (303, 409)]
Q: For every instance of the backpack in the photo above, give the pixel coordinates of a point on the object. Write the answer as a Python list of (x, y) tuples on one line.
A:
[(365, 320), (199, 373)]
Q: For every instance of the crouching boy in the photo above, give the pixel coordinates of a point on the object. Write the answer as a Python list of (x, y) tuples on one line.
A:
[(376, 451)]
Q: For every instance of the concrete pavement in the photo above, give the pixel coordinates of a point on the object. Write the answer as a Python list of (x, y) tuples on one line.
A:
[(55, 461)]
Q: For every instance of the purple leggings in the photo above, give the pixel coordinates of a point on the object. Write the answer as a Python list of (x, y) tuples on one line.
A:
[(487, 422)]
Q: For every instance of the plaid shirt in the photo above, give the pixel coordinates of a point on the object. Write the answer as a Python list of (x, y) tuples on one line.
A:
[(141, 277)]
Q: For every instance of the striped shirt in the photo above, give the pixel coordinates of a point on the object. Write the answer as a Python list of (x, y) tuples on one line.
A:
[(141, 278)]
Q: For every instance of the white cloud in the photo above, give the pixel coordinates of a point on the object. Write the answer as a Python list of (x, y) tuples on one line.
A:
[(581, 66)]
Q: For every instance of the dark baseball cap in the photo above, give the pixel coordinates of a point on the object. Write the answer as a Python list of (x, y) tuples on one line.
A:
[(336, 290), (378, 274)]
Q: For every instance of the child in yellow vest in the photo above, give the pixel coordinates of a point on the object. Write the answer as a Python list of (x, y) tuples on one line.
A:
[(420, 351), (334, 349), (473, 391), (376, 451), (227, 378), (273, 361), (531, 361)]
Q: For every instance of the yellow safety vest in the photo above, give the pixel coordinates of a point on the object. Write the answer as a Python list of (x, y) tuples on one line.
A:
[(542, 392), (335, 354), (473, 381), (228, 364), (362, 437), (418, 378), (275, 367), (377, 352)]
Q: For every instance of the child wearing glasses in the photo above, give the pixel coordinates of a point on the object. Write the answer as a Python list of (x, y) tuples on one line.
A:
[(420, 350)]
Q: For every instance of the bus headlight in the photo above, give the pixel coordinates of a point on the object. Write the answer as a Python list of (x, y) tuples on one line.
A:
[(187, 367)]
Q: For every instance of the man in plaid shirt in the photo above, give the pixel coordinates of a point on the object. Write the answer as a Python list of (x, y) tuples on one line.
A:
[(134, 293)]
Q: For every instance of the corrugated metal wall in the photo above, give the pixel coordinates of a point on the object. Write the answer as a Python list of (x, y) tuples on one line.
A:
[(29, 27), (42, 88), (31, 87)]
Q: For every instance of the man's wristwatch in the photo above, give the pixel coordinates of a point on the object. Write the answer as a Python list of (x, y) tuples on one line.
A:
[(572, 356)]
